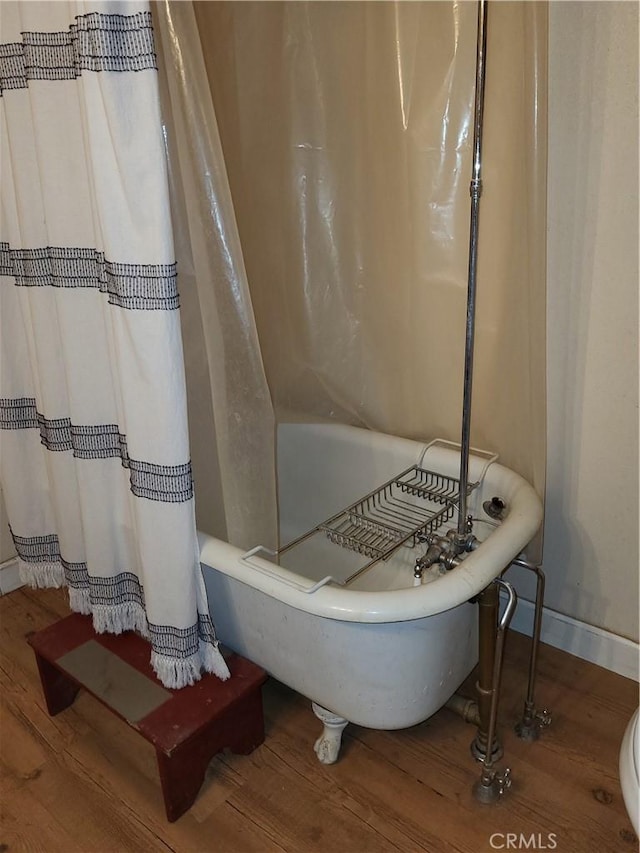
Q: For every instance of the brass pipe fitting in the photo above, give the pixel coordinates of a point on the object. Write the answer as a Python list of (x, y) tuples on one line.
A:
[(465, 708), (488, 604)]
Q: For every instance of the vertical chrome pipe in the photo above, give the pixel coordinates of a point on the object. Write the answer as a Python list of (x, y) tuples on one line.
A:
[(475, 190), (528, 728)]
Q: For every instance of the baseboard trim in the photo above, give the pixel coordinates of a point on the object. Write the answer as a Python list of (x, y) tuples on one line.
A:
[(9, 576), (584, 641)]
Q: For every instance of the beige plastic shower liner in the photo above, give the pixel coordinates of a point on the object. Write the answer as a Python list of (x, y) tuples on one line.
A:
[(340, 182)]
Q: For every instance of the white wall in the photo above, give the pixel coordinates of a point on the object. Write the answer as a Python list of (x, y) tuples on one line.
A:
[(591, 531)]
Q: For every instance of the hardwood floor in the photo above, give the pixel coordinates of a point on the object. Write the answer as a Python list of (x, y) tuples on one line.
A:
[(84, 781)]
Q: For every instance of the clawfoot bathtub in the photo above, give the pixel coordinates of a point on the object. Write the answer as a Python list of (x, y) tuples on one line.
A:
[(375, 647)]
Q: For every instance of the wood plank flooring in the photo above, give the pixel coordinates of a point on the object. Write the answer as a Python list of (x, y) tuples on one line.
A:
[(84, 781)]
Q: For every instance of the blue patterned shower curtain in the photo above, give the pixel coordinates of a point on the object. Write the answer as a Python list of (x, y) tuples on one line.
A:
[(94, 447)]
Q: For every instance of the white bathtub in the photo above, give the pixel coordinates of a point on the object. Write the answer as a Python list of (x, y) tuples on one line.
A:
[(379, 652)]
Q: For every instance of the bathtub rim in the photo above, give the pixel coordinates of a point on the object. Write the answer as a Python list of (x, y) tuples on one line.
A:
[(477, 570)]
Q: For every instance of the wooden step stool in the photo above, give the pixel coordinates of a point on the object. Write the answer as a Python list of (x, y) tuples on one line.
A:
[(187, 727)]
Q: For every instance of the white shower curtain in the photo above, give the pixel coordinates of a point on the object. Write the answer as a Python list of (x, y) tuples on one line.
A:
[(95, 461)]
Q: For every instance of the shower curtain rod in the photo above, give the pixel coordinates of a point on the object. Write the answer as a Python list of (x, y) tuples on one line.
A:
[(475, 191)]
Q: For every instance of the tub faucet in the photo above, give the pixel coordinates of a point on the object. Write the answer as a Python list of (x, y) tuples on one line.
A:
[(445, 550), (433, 555), (438, 551)]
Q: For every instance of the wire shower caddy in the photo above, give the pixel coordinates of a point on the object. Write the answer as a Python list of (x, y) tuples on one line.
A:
[(402, 511)]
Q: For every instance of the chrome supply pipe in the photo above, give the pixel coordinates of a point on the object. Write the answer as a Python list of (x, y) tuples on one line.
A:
[(528, 728), (475, 190)]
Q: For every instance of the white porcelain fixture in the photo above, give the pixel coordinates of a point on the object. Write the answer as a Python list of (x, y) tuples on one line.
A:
[(380, 651), (630, 770)]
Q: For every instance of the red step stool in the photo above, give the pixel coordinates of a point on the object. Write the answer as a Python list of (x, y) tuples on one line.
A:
[(187, 727)]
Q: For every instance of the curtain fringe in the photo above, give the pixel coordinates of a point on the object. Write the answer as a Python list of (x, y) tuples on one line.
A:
[(213, 661), (41, 575), (174, 673), (116, 618), (182, 672)]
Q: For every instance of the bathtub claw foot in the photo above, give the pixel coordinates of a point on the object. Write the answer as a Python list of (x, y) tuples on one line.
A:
[(327, 747)]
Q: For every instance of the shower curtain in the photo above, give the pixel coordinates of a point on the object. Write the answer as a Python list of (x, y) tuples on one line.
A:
[(94, 447), (346, 132), (232, 422)]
